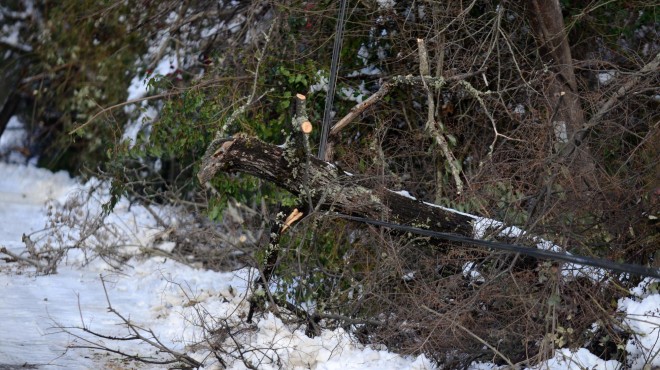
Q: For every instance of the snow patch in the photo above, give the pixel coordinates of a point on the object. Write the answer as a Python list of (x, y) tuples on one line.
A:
[(321, 84), (135, 126), (386, 4), (566, 359), (642, 317), (139, 84), (27, 184), (605, 77), (404, 193), (14, 137), (158, 293)]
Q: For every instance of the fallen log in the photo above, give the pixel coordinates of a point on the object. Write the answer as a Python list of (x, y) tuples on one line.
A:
[(327, 187)]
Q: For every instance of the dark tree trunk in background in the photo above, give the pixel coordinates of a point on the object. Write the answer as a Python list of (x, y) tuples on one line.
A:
[(566, 113), (10, 76)]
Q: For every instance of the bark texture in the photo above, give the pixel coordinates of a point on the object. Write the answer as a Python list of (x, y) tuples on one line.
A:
[(567, 116), (327, 186)]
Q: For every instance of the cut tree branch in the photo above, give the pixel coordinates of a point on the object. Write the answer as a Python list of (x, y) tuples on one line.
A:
[(328, 187)]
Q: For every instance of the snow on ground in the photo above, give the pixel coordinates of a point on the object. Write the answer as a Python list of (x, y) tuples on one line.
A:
[(156, 293), (42, 316)]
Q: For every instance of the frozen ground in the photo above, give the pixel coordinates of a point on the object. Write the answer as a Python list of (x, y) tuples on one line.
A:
[(156, 293), (41, 316)]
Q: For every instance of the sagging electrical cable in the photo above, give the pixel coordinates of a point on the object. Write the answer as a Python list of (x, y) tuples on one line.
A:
[(334, 65), (532, 252)]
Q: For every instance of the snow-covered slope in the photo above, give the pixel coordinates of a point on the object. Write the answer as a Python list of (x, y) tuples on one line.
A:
[(42, 316), (156, 293)]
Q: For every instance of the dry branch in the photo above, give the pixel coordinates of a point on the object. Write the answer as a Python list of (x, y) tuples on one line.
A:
[(650, 67), (434, 127), (356, 110), (387, 86)]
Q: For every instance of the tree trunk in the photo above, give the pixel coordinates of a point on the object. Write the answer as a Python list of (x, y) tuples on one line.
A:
[(567, 115), (326, 186)]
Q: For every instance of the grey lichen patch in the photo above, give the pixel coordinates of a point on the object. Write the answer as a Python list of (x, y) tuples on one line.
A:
[(422, 225), (373, 198), (438, 82), (433, 82), (471, 90), (306, 191)]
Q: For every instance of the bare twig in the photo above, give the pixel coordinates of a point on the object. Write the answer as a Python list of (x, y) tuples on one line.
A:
[(220, 135), (18, 257), (652, 66), (356, 110), (432, 125), (113, 107), (135, 333), (481, 340), (387, 86), (251, 99), (476, 94)]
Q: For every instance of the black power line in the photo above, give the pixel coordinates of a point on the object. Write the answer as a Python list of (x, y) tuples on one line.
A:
[(536, 253), (332, 82)]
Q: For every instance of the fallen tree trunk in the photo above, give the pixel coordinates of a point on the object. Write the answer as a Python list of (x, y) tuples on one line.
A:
[(326, 186), (320, 185)]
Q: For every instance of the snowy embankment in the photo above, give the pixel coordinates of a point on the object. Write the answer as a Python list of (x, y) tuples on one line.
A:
[(42, 316)]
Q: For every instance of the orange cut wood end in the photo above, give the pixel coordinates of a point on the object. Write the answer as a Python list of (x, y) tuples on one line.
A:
[(306, 127), (301, 96)]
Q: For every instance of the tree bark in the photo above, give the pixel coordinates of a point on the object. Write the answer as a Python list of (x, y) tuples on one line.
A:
[(567, 115), (327, 186)]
